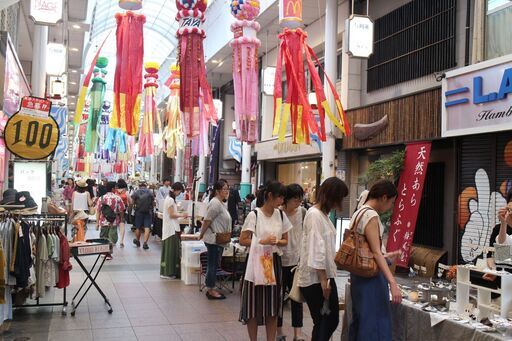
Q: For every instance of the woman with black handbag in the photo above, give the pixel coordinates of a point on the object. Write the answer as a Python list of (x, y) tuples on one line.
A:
[(371, 314), (216, 232), (317, 270)]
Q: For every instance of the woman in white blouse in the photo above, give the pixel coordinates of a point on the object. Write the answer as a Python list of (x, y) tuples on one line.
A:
[(263, 304), (317, 270)]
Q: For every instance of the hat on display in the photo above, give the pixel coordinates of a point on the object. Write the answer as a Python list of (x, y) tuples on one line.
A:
[(9, 196), (81, 183), (24, 198)]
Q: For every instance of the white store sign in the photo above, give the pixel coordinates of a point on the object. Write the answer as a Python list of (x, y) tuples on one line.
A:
[(31, 177), (46, 11), (359, 30), (478, 98), (269, 77)]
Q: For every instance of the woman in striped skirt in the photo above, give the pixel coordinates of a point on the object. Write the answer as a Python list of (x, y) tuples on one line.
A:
[(263, 304)]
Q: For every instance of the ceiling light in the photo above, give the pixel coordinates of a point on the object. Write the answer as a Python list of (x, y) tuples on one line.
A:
[(72, 83), (72, 103), (214, 61), (74, 71), (75, 26), (74, 49), (72, 96)]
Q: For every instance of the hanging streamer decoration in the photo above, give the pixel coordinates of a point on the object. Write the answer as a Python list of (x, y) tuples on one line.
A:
[(245, 68), (80, 103), (97, 96), (196, 100), (128, 75), (173, 135), (150, 112), (296, 107)]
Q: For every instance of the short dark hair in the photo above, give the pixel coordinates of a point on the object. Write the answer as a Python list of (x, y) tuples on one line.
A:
[(293, 191), (121, 183), (382, 188), (177, 186), (219, 185), (250, 197), (111, 185), (331, 194), (166, 179)]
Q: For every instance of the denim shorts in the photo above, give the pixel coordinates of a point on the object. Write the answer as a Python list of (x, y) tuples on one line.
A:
[(143, 220)]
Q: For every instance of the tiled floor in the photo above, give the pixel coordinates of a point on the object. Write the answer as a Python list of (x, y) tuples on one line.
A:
[(145, 306)]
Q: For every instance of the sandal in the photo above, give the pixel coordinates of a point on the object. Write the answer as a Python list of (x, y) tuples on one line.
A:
[(281, 338), (211, 297)]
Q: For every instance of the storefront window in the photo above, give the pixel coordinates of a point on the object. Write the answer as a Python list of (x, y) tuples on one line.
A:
[(498, 29), (302, 173)]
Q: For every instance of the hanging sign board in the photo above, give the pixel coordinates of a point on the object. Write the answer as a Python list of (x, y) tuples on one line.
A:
[(46, 11), (31, 177), (269, 76), (31, 133), (359, 30)]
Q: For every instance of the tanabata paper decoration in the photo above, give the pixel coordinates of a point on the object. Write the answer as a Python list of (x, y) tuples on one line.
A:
[(296, 107), (195, 92), (245, 68), (128, 75), (97, 96), (150, 112), (130, 5), (80, 103), (173, 135)]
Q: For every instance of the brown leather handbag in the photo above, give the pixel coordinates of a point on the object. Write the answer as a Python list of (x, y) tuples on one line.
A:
[(222, 238), (354, 254)]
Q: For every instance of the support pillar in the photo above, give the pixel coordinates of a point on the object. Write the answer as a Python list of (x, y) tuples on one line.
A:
[(178, 174), (38, 77), (245, 184), (331, 44), (201, 174)]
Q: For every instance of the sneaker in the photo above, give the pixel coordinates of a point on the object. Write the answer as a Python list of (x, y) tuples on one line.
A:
[(136, 242), (145, 246), (167, 277), (108, 257), (281, 338)]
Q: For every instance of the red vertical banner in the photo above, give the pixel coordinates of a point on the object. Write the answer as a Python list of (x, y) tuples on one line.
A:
[(407, 204)]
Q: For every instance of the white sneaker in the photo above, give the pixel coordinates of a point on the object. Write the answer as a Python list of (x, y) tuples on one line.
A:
[(167, 277)]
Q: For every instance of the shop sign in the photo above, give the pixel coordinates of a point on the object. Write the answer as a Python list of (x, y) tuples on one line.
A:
[(55, 59), (407, 203), (286, 147), (46, 11), (31, 177), (478, 98), (32, 133), (274, 149), (359, 36), (269, 76)]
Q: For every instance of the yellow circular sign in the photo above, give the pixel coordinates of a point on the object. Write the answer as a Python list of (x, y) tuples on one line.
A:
[(31, 137)]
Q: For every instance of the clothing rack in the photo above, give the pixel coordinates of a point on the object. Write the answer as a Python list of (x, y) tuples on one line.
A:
[(44, 217)]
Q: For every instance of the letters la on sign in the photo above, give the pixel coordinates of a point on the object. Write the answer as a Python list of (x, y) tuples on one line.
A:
[(32, 133)]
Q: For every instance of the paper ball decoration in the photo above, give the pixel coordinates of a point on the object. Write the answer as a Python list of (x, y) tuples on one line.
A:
[(245, 9), (102, 62), (151, 67), (192, 4), (130, 5)]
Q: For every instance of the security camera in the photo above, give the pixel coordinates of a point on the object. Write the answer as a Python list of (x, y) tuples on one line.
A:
[(439, 76)]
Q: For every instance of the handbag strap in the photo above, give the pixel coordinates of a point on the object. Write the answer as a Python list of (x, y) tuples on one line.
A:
[(356, 222)]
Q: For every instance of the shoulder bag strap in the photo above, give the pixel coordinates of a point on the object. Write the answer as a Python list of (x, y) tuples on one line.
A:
[(355, 223)]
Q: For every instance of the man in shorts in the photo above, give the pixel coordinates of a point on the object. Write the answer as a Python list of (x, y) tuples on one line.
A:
[(143, 201)]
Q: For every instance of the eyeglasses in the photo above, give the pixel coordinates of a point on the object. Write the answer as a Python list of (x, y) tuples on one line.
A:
[(225, 189)]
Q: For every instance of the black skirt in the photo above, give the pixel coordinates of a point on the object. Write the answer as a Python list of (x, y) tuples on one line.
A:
[(261, 301)]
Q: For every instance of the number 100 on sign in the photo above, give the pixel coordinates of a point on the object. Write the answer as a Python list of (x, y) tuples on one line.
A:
[(30, 137)]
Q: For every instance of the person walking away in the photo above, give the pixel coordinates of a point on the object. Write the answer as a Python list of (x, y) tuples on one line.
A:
[(68, 195), (122, 192), (371, 313), (317, 270), (162, 194), (81, 199), (269, 227), (109, 213), (144, 201), (171, 250), (216, 220), (102, 188), (290, 258), (233, 201)]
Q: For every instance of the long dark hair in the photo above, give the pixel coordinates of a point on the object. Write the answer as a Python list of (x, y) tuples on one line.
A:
[(293, 191), (275, 188), (219, 185), (331, 194), (177, 186), (509, 196)]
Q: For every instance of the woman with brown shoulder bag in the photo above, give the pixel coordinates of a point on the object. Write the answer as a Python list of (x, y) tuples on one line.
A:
[(371, 315)]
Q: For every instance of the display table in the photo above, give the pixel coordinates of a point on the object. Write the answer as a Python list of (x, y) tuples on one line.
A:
[(412, 323)]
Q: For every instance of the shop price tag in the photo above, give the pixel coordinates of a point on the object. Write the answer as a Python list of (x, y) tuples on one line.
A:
[(32, 133)]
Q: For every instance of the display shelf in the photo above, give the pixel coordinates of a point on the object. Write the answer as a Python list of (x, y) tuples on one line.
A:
[(484, 299)]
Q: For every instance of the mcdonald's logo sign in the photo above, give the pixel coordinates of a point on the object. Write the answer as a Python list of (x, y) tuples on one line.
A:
[(290, 11)]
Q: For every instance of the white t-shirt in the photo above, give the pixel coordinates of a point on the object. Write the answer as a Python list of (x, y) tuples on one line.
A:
[(80, 201), (267, 226), (169, 225), (318, 248), (365, 219), (291, 251)]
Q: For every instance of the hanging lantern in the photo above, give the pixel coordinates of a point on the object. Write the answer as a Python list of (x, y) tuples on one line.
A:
[(245, 68), (130, 5), (196, 100), (150, 112), (296, 108)]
